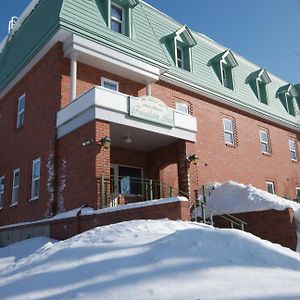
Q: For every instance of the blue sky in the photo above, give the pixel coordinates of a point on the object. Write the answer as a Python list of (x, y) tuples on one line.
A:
[(267, 32)]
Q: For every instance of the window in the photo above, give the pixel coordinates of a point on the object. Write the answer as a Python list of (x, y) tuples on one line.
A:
[(223, 65), (110, 84), (264, 142), (258, 81), (180, 57), (293, 151), (117, 18), (228, 132), (182, 107), (2, 181), (227, 80), (287, 95), (15, 188), (298, 194), (180, 44), (21, 111), (36, 175), (270, 187)]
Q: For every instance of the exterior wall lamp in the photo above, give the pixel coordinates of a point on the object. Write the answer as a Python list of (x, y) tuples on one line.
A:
[(193, 159), (106, 142)]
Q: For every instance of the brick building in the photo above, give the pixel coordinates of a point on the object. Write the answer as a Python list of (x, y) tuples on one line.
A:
[(107, 102)]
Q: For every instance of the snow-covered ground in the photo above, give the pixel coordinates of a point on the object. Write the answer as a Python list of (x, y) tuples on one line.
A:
[(146, 259)]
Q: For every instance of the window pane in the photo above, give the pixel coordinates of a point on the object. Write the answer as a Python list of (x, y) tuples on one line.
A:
[(262, 92), (36, 169), (179, 53), (293, 155), (270, 187), (2, 185), (264, 136), (228, 138), (264, 148), (228, 125), (16, 179), (110, 85), (115, 26), (21, 104), (292, 145), (182, 107), (36, 189), (116, 13), (133, 177)]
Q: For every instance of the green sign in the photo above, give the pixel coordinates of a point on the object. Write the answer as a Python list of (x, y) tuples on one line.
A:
[(151, 109)]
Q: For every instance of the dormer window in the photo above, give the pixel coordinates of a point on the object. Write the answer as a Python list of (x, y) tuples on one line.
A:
[(117, 18), (223, 65), (287, 95), (180, 45), (258, 81), (118, 13)]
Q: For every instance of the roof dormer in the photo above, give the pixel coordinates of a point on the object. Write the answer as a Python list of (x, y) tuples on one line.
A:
[(179, 45), (287, 95), (258, 81), (223, 64)]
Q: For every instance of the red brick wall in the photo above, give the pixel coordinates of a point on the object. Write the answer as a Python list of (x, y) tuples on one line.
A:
[(18, 147), (273, 225), (67, 228)]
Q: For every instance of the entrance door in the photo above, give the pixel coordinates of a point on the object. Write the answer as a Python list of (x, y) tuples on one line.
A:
[(126, 181)]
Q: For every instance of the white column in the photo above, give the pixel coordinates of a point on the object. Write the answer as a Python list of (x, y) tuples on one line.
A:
[(148, 88), (73, 75)]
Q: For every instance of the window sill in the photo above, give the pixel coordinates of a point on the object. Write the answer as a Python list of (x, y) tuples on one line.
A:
[(33, 199), (230, 145), (266, 154), (294, 160), (14, 205)]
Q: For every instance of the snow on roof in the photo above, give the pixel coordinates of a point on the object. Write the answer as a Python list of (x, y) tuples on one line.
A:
[(232, 197)]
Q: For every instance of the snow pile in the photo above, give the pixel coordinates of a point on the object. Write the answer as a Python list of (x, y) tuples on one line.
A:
[(157, 259), (232, 197)]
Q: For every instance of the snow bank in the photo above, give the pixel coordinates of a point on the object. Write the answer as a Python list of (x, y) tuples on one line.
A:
[(232, 197), (154, 259)]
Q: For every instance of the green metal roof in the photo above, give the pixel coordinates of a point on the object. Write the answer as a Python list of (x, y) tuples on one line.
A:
[(148, 42)]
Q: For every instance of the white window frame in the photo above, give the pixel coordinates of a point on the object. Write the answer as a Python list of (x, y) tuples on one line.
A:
[(272, 184), (21, 113), (122, 22), (182, 108), (104, 80), (34, 180), (293, 150), (15, 188), (2, 191), (180, 60), (267, 143), (258, 83), (228, 131)]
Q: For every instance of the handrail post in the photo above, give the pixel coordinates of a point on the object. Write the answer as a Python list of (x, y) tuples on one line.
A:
[(203, 212), (242, 226), (151, 189), (102, 191)]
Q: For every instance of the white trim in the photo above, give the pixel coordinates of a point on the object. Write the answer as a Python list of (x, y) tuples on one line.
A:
[(104, 79), (15, 189), (264, 142), (228, 131), (34, 180), (272, 184), (2, 193)]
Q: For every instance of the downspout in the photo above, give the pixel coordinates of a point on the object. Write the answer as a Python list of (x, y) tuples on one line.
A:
[(73, 76)]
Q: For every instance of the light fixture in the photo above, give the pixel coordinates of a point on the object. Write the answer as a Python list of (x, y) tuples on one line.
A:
[(193, 159), (105, 142), (127, 139)]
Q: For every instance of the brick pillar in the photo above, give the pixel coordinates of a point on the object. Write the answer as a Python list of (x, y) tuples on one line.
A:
[(102, 161)]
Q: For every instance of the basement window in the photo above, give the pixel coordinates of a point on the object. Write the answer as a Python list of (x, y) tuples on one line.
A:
[(15, 187), (270, 187), (2, 182)]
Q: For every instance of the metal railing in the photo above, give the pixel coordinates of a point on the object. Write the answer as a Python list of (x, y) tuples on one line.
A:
[(137, 190)]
